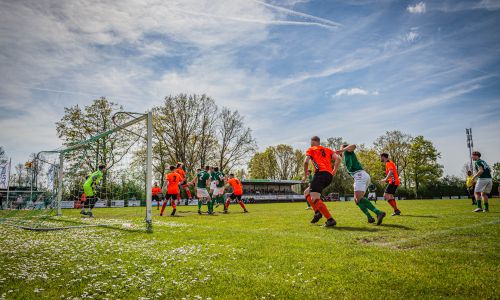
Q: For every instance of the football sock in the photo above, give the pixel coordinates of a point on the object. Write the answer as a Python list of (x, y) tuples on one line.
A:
[(309, 201), (323, 209), (478, 202), (200, 202), (370, 205), (163, 207), (363, 208), (392, 202), (227, 204), (486, 205), (242, 205)]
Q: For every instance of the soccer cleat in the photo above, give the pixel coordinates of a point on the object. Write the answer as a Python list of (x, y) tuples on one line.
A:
[(199, 212), (478, 210), (486, 210), (396, 213), (330, 223), (90, 214), (380, 217), (225, 211), (317, 217), (173, 213), (83, 213), (245, 211), (371, 220)]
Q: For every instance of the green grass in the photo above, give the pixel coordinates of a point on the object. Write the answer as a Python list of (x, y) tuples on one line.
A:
[(436, 249)]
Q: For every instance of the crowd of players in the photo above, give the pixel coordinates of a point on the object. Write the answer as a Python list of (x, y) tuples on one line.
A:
[(211, 183)]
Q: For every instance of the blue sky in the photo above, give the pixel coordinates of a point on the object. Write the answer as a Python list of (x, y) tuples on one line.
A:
[(294, 68)]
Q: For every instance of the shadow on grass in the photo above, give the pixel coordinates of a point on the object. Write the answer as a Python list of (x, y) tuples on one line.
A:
[(397, 226), (349, 228), (419, 216)]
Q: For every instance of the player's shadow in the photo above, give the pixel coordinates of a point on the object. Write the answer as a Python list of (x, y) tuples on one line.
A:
[(349, 228), (397, 226), (419, 216)]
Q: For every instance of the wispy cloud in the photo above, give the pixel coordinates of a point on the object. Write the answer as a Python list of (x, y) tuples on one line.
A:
[(418, 8), (355, 91)]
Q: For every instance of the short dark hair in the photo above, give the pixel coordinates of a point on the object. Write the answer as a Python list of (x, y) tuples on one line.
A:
[(179, 164), (207, 168), (102, 167), (172, 168), (384, 155), (216, 169), (198, 169), (344, 145), (476, 153), (231, 175), (316, 139)]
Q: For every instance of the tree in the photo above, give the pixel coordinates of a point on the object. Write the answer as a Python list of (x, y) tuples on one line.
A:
[(423, 166), (79, 124), (236, 143), (496, 171), (370, 159), (397, 144), (277, 162)]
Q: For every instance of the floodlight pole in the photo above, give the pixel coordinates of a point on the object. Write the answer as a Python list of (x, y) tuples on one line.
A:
[(470, 145), (149, 173), (60, 184)]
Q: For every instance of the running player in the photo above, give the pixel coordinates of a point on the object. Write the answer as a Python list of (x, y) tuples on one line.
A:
[(220, 179), (202, 180), (213, 181), (361, 182), (392, 180), (183, 183), (172, 180), (237, 187), (156, 194), (484, 181), (89, 190), (321, 158)]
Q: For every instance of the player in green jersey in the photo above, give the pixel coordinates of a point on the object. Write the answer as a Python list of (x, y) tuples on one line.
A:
[(361, 182), (220, 181), (484, 182), (89, 190), (202, 181)]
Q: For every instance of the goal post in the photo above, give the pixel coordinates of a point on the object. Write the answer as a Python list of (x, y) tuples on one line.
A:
[(60, 175)]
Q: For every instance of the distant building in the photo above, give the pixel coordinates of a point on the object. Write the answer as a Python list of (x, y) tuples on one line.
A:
[(267, 190)]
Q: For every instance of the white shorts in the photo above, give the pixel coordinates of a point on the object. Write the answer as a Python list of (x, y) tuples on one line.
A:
[(213, 185), (361, 181), (202, 193), (218, 191), (484, 185)]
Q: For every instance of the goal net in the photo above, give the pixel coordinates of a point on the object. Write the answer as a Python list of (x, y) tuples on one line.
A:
[(68, 189)]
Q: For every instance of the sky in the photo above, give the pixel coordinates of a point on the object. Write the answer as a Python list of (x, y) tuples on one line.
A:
[(293, 68)]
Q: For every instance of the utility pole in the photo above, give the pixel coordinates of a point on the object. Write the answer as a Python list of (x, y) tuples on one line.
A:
[(470, 144)]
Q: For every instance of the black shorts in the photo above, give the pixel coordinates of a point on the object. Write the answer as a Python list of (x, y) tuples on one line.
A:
[(233, 196), (156, 198), (391, 189), (170, 196), (320, 181)]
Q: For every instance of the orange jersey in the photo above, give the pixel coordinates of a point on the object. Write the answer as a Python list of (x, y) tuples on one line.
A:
[(181, 172), (156, 190), (235, 183), (391, 166), (321, 158), (173, 179)]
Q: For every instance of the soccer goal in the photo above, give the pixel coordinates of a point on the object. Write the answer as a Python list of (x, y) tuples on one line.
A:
[(104, 180)]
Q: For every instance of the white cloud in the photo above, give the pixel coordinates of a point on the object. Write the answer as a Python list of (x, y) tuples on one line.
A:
[(352, 92), (418, 8), (411, 36)]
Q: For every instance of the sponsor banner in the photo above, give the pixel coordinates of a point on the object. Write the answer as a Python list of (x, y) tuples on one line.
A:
[(101, 204), (117, 203), (134, 203), (455, 197), (4, 175), (67, 204)]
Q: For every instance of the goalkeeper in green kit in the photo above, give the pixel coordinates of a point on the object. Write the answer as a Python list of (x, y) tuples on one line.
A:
[(89, 190)]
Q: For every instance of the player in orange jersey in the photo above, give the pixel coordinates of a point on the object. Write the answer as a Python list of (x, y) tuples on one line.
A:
[(392, 179), (183, 183), (237, 187), (321, 158), (172, 181)]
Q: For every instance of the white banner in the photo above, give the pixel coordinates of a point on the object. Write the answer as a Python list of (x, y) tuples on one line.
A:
[(4, 175)]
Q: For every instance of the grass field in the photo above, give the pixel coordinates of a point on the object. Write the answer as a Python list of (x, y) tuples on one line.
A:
[(435, 249)]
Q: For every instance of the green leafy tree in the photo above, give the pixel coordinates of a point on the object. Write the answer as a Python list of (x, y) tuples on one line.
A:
[(397, 144), (496, 171), (423, 166)]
